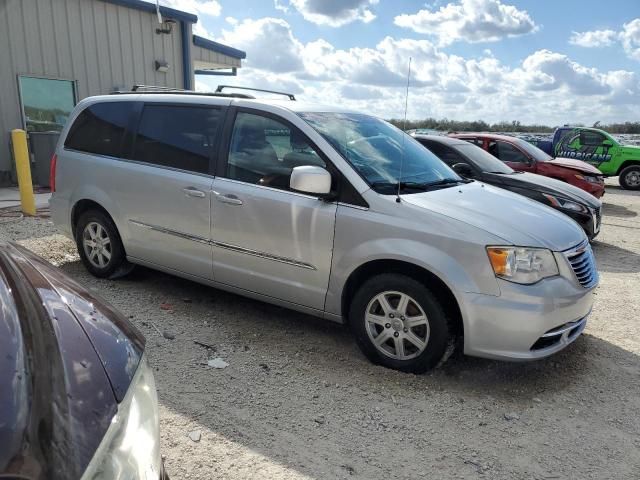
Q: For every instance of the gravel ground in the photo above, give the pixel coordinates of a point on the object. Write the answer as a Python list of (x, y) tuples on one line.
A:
[(298, 400)]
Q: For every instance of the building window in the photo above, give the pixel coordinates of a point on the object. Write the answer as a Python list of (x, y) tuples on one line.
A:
[(46, 103)]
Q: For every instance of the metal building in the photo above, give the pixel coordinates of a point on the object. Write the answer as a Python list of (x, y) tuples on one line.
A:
[(54, 53)]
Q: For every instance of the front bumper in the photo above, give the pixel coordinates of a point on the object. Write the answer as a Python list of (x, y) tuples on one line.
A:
[(590, 222), (595, 189), (511, 326)]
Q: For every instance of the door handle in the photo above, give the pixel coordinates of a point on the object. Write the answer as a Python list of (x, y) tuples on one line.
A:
[(229, 199), (194, 192)]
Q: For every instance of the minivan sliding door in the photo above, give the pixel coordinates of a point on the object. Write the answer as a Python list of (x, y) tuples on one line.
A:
[(167, 192)]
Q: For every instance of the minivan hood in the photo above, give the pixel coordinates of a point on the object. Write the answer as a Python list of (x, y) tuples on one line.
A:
[(575, 165), (512, 217), (532, 181)]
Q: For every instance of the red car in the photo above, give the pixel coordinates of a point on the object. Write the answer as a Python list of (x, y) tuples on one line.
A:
[(522, 156)]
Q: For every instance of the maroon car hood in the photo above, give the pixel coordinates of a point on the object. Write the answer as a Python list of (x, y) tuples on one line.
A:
[(576, 165)]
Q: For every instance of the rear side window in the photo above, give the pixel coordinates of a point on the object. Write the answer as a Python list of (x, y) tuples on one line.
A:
[(100, 128), (177, 136)]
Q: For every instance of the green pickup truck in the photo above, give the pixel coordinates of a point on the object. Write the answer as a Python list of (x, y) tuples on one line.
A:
[(598, 148)]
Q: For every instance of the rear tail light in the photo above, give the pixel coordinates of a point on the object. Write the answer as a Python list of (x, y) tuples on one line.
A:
[(52, 173)]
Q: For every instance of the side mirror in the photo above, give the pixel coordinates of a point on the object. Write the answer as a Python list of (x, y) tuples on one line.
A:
[(310, 179), (607, 143), (462, 169)]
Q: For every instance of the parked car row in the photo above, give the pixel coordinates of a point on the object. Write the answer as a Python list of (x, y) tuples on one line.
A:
[(598, 148), (462, 154), (524, 157)]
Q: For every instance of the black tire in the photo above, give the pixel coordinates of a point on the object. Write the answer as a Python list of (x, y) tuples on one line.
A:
[(627, 177), (117, 264), (439, 342)]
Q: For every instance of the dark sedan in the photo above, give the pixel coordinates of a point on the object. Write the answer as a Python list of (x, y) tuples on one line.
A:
[(77, 397), (471, 161)]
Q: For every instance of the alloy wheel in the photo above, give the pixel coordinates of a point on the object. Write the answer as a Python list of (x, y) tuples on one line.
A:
[(96, 244), (397, 325)]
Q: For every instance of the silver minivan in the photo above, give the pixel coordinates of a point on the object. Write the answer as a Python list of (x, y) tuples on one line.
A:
[(325, 211)]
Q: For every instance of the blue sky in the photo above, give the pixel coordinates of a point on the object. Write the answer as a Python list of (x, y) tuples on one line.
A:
[(528, 60)]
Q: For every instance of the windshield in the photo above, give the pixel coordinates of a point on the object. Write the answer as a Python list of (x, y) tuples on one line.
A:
[(483, 160), (375, 149), (532, 150)]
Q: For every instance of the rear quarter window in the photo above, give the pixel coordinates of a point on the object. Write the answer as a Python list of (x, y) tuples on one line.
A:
[(100, 128)]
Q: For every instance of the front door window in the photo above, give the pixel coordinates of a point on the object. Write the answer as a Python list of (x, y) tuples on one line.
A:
[(264, 151)]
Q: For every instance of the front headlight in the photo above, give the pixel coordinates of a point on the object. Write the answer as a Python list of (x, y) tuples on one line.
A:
[(521, 264), (589, 178), (565, 204), (131, 448)]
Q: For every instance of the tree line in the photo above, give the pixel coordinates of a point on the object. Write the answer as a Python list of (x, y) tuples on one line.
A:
[(514, 126)]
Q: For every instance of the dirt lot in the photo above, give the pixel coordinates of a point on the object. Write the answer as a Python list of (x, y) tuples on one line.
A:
[(298, 400)]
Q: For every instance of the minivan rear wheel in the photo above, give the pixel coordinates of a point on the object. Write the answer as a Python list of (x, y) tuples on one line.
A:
[(399, 323), (99, 245)]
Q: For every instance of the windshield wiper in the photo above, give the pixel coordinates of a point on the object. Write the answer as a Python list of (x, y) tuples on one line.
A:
[(420, 185), (444, 181), (395, 184)]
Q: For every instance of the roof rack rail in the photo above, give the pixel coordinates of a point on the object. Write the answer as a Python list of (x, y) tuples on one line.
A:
[(149, 89), (291, 96), (156, 88)]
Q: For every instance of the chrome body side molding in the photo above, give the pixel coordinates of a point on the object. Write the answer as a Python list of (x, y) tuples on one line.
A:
[(227, 246)]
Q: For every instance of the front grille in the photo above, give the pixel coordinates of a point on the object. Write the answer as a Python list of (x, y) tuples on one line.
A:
[(583, 264), (597, 219)]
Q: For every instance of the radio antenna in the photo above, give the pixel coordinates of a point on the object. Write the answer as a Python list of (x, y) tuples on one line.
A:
[(404, 128)]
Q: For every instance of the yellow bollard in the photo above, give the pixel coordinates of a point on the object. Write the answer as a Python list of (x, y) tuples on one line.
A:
[(23, 169)]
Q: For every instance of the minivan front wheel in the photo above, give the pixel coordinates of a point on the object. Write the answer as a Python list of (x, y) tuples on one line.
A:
[(99, 245), (399, 323)]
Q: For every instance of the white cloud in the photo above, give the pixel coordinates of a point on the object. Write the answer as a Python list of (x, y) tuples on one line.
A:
[(545, 87), (630, 38), (209, 8), (201, 31), (595, 38), (199, 7), (360, 92), (470, 20), (547, 71), (333, 13), (269, 43)]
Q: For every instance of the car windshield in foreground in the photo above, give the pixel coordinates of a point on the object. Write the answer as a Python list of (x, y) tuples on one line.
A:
[(483, 160), (535, 152), (379, 152)]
